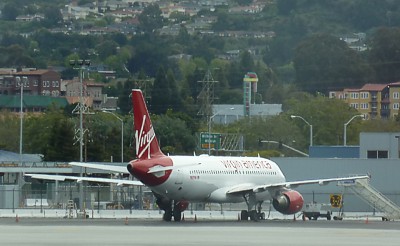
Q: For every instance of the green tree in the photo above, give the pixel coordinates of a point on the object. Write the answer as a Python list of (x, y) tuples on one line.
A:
[(285, 7), (149, 53), (10, 11), (323, 62), (124, 100), (174, 135), (237, 70), (61, 138), (183, 36), (246, 62), (50, 134), (15, 56), (161, 93), (9, 131), (52, 16), (176, 99), (367, 14), (151, 18), (384, 55), (106, 49), (326, 115)]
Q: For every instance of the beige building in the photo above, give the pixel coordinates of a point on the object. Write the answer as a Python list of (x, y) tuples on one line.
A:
[(92, 92), (372, 100), (394, 98)]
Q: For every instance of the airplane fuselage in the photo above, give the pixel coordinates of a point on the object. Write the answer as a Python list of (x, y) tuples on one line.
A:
[(209, 178)]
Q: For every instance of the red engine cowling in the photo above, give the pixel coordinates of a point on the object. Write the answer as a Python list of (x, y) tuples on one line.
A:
[(289, 202)]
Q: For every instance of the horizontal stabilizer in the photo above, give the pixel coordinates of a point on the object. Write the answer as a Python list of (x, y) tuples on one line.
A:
[(112, 168)]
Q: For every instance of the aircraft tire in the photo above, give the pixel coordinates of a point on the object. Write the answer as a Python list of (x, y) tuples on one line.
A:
[(167, 216), (244, 215), (177, 215), (253, 215)]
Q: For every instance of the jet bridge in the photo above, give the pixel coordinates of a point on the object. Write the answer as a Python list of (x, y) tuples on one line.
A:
[(373, 197)]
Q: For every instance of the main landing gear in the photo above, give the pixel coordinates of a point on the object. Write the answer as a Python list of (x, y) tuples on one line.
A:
[(254, 215), (169, 210)]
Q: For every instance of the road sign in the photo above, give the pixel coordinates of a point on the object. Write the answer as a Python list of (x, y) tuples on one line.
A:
[(336, 201), (210, 141)]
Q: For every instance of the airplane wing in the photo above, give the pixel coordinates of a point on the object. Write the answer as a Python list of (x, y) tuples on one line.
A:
[(118, 169), (119, 182), (260, 188)]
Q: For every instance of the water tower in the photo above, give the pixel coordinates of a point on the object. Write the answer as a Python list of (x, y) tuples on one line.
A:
[(249, 84)]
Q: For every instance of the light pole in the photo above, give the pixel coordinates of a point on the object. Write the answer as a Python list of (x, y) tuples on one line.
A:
[(311, 128), (345, 127), (21, 118), (122, 133), (209, 132), (209, 129), (80, 65)]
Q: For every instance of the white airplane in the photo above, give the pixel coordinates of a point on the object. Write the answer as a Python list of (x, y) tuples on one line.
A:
[(177, 180)]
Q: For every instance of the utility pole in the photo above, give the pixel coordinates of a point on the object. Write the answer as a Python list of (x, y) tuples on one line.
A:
[(80, 65)]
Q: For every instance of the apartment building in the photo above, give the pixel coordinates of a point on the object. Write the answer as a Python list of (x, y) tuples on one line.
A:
[(372, 100), (40, 87), (394, 98), (41, 82)]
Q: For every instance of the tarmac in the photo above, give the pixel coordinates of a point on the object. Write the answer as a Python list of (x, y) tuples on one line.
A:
[(198, 230)]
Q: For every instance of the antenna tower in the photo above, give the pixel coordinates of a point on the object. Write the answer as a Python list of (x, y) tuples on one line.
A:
[(206, 96)]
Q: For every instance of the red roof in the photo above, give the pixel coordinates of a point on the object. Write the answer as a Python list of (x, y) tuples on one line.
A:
[(394, 84), (373, 87), (34, 72)]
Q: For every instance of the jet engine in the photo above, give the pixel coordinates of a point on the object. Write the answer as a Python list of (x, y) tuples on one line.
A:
[(288, 202), (182, 205)]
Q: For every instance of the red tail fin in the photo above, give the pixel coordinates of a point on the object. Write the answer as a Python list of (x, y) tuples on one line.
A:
[(146, 141)]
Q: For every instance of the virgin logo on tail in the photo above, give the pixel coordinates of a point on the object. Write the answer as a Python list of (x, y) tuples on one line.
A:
[(143, 140), (146, 141)]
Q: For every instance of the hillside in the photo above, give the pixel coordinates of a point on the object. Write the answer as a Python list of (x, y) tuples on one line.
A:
[(278, 34)]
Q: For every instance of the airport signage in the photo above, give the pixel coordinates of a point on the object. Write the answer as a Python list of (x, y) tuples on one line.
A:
[(336, 200), (210, 141)]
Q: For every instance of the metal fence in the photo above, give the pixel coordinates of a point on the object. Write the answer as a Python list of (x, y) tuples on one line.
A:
[(66, 195), (63, 196)]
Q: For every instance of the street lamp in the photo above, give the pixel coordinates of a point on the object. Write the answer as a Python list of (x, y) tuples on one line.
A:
[(311, 129), (21, 119), (345, 127), (209, 132), (122, 133), (80, 65), (209, 129)]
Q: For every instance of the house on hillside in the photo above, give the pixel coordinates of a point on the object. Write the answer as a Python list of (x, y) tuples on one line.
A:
[(43, 82), (92, 92)]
